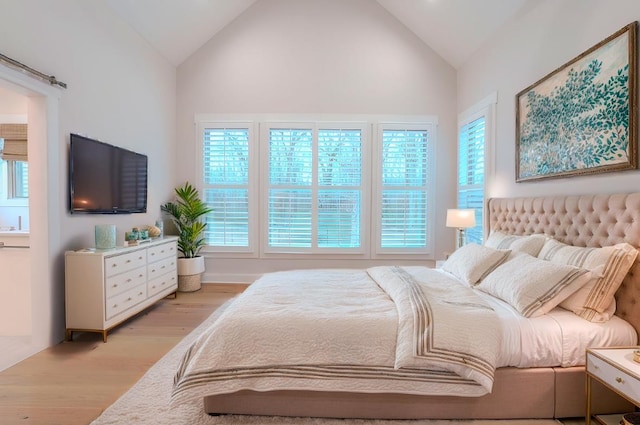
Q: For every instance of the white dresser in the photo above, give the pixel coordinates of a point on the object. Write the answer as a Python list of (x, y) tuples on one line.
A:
[(103, 288)]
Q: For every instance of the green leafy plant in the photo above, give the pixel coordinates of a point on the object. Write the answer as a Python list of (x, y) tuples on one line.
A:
[(186, 213)]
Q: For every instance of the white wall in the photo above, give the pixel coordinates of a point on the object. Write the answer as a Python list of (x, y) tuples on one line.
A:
[(548, 36), (309, 56), (119, 91)]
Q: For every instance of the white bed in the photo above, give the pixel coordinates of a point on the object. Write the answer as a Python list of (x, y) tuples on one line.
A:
[(340, 349)]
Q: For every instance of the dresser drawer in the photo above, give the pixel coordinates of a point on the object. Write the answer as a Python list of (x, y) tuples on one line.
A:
[(125, 262), (615, 378), (159, 284), (119, 303), (125, 281), (161, 267), (159, 252)]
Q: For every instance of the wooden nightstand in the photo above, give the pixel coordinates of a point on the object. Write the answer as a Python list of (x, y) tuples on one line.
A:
[(614, 368)]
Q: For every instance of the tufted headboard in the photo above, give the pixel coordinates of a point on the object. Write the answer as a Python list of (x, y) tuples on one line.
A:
[(587, 220)]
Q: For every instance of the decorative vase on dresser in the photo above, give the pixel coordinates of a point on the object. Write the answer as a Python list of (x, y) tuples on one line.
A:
[(103, 288)]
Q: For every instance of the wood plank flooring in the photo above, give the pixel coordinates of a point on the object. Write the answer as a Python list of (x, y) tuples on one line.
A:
[(73, 382)]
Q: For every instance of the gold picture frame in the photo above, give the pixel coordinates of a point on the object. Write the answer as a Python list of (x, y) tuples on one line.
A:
[(582, 117)]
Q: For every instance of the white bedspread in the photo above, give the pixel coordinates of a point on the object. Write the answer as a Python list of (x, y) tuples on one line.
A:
[(336, 330)]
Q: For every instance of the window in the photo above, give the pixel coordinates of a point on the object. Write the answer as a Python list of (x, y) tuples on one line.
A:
[(404, 195), (473, 145), (226, 186), (308, 187), (18, 172), (314, 188)]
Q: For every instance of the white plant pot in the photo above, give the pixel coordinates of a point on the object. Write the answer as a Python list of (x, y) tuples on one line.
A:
[(190, 273)]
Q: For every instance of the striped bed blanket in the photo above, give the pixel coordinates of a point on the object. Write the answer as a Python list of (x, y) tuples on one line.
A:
[(410, 330)]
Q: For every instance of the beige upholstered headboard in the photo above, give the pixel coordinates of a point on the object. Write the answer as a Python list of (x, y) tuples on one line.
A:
[(587, 220)]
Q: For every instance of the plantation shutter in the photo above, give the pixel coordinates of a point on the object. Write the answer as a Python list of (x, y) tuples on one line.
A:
[(404, 189), (339, 193), (226, 186), (471, 171), (290, 188)]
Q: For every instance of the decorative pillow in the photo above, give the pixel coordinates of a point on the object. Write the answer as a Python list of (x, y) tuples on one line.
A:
[(531, 244), (533, 286), (470, 263), (595, 302)]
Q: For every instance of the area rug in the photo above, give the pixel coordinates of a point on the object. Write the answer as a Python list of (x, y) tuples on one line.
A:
[(147, 402)]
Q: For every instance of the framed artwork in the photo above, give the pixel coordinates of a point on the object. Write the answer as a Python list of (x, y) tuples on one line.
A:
[(581, 118)]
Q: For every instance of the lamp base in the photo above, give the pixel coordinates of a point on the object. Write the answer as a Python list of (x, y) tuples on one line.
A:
[(460, 238)]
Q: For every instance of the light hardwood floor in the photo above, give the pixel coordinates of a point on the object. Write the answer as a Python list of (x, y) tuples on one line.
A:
[(73, 382)]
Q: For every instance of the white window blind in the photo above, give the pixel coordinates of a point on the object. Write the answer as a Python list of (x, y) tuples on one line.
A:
[(226, 186), (314, 190), (405, 180), (339, 178), (290, 194), (471, 173)]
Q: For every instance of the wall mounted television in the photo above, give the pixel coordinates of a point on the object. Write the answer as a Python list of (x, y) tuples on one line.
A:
[(105, 179)]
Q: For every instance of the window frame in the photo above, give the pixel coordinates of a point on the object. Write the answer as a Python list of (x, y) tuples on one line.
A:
[(371, 141), (250, 251), (428, 124), (484, 108), (315, 126)]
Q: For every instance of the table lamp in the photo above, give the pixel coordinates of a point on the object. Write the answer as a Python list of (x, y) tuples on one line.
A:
[(461, 219)]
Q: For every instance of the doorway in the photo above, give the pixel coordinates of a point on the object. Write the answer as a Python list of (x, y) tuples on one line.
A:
[(29, 284)]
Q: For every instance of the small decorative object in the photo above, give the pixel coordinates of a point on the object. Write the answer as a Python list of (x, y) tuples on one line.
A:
[(636, 356), (144, 234), (582, 117), (154, 231), (160, 226), (186, 214), (461, 219), (105, 236), (135, 234)]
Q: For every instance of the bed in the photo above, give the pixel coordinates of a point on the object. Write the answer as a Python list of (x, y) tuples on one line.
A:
[(235, 372)]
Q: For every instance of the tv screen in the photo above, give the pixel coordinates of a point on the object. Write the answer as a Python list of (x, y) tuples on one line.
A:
[(106, 179)]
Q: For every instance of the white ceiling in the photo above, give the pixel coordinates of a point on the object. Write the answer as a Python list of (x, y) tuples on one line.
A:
[(454, 29)]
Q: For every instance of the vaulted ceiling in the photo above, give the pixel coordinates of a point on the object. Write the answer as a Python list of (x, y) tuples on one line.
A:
[(454, 29)]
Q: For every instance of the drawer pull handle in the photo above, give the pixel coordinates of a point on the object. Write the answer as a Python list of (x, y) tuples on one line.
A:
[(129, 299), (140, 275), (153, 253), (153, 270), (115, 306), (115, 285), (114, 265), (596, 367), (128, 261), (140, 293), (163, 267), (128, 280), (619, 380)]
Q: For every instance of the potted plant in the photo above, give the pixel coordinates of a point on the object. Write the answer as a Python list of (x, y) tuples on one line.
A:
[(186, 214)]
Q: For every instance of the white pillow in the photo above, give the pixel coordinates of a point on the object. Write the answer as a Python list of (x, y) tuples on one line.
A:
[(531, 244), (470, 263), (533, 286), (595, 302)]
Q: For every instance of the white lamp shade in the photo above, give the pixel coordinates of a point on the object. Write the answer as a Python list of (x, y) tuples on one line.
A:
[(461, 219)]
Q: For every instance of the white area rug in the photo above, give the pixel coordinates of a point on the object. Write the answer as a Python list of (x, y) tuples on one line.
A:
[(147, 402)]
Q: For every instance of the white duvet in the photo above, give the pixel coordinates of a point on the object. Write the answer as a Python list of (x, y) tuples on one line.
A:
[(340, 330)]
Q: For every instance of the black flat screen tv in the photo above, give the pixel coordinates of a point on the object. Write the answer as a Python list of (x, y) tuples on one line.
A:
[(105, 179)]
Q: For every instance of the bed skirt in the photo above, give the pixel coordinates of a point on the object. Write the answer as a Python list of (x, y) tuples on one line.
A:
[(517, 393)]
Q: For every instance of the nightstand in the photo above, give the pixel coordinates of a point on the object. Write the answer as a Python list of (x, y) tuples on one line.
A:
[(614, 368)]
